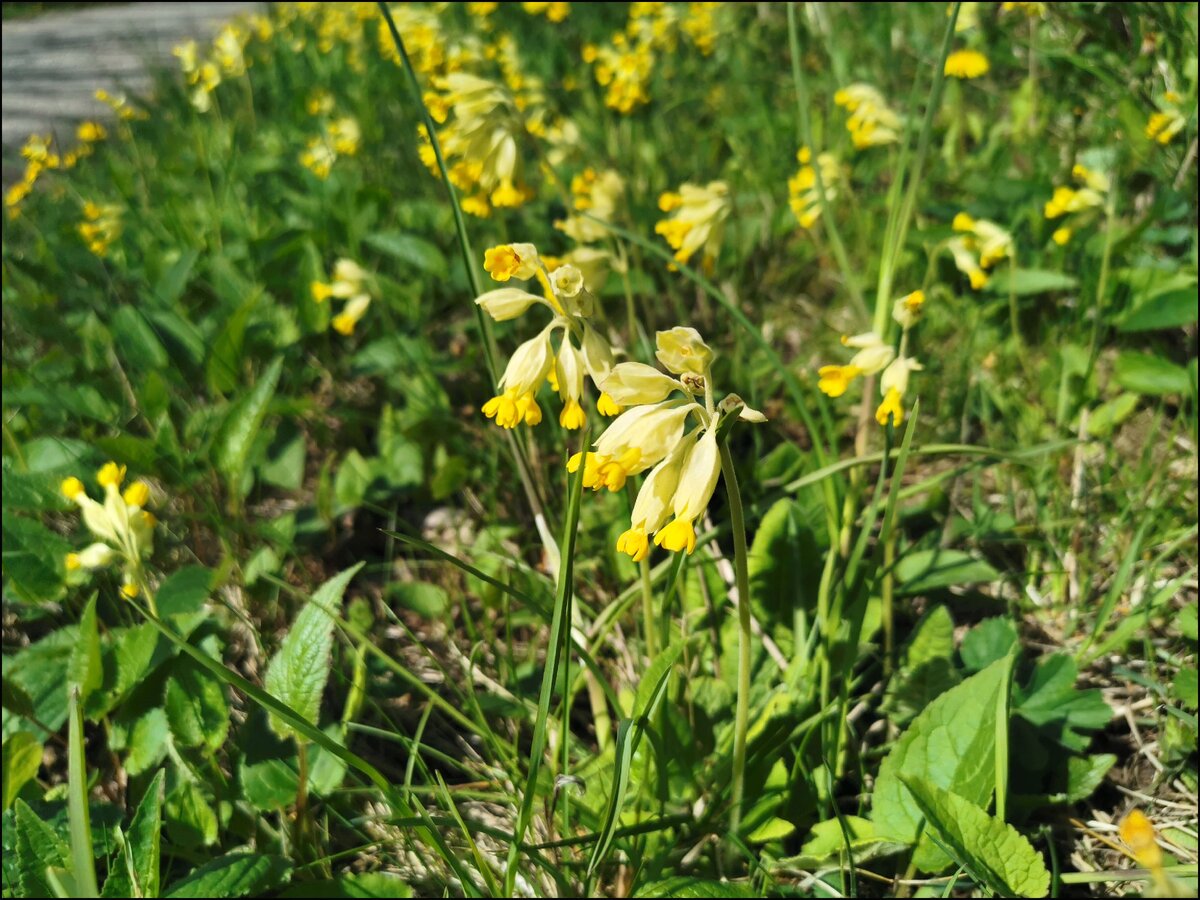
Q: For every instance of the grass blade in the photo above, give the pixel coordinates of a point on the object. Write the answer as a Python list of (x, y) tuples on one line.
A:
[(83, 863)]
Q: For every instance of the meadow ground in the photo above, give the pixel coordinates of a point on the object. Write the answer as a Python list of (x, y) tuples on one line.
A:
[(546, 449)]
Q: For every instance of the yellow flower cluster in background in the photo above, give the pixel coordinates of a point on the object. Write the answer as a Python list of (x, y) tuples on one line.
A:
[(123, 527), (1168, 120), (653, 434), (696, 219), (803, 194), (979, 246), (349, 283), (1076, 201), (227, 58), (340, 137), (40, 155), (871, 122), (100, 227), (535, 362), (877, 355), (555, 12), (599, 195)]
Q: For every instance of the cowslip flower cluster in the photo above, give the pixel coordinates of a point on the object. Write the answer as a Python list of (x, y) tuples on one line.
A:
[(349, 284), (554, 12), (535, 362), (979, 247), (803, 195), (1168, 120), (599, 194), (100, 227), (655, 434), (623, 68), (204, 75), (121, 107), (1074, 201), (340, 137), (871, 122), (696, 219), (122, 525), (966, 64), (877, 355)]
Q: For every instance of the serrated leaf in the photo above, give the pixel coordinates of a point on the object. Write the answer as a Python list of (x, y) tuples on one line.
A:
[(191, 821), (952, 744), (991, 851), (1051, 695), (147, 741), (239, 430), (990, 640), (826, 845), (360, 884), (38, 848), (22, 759), (233, 875), (1030, 281), (408, 248), (135, 871), (1148, 374), (688, 886), (33, 558), (86, 670), (928, 570), (194, 701), (41, 671), (298, 671)]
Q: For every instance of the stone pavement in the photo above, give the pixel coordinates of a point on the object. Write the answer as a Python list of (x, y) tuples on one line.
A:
[(53, 64)]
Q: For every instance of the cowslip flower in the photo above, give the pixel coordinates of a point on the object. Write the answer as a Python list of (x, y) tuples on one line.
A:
[(582, 350), (803, 195), (349, 283), (555, 12), (655, 434), (1076, 202), (91, 132), (871, 122), (966, 64), (877, 355), (599, 195), (123, 527), (1168, 120), (100, 227), (696, 219), (981, 245)]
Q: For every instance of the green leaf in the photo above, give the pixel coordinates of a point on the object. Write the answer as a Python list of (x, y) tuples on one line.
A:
[(353, 478), (1183, 688), (147, 741), (233, 875), (235, 438), (86, 670), (688, 886), (297, 673), (990, 640), (33, 558), (1170, 309), (992, 852), (135, 871), (1147, 374), (407, 248), (428, 600), (773, 829), (191, 821), (1085, 773), (83, 867), (224, 366), (1107, 416), (197, 712), (927, 670), (172, 282), (361, 884), (826, 845), (929, 570), (38, 848), (181, 598), (136, 342), (1029, 281), (1051, 696), (40, 670), (785, 561), (955, 743), (22, 759)]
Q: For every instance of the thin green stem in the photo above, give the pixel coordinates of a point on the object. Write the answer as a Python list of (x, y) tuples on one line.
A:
[(648, 620), (741, 722)]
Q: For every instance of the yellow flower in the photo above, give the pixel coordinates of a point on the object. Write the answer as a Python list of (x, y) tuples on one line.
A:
[(1062, 236), (124, 530), (1137, 831), (835, 379), (803, 194), (72, 487), (507, 261), (871, 123), (966, 64), (893, 386), (597, 194), (137, 494), (355, 308), (90, 132), (907, 310), (697, 221), (110, 475)]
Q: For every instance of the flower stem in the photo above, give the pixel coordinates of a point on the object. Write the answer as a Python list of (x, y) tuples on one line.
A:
[(741, 722), (649, 625)]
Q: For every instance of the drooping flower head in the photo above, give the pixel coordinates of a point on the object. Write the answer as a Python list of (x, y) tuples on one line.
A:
[(670, 429), (349, 283), (599, 195), (980, 245), (582, 350), (871, 122), (1168, 120), (696, 219), (1077, 202), (803, 193), (123, 527)]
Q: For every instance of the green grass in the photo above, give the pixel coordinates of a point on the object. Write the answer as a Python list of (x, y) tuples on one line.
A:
[(381, 646)]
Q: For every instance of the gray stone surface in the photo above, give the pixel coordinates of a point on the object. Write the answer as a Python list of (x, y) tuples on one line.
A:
[(53, 64)]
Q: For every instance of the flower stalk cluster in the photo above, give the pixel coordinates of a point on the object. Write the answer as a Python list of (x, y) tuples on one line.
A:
[(121, 524)]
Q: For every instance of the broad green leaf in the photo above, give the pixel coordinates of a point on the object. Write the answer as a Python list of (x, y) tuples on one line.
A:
[(1051, 695), (22, 759), (38, 848), (1107, 416), (135, 870), (785, 561), (953, 744), (235, 438), (147, 741), (408, 248), (354, 476), (927, 671), (224, 367), (40, 670), (360, 884), (197, 711), (826, 845), (1170, 309), (1085, 774), (688, 886), (991, 851), (429, 600), (928, 570), (297, 673), (16, 700), (191, 821), (990, 640), (86, 670), (1148, 374), (773, 829), (33, 559), (1029, 281), (172, 282), (181, 598), (136, 342), (1183, 688), (233, 875)]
